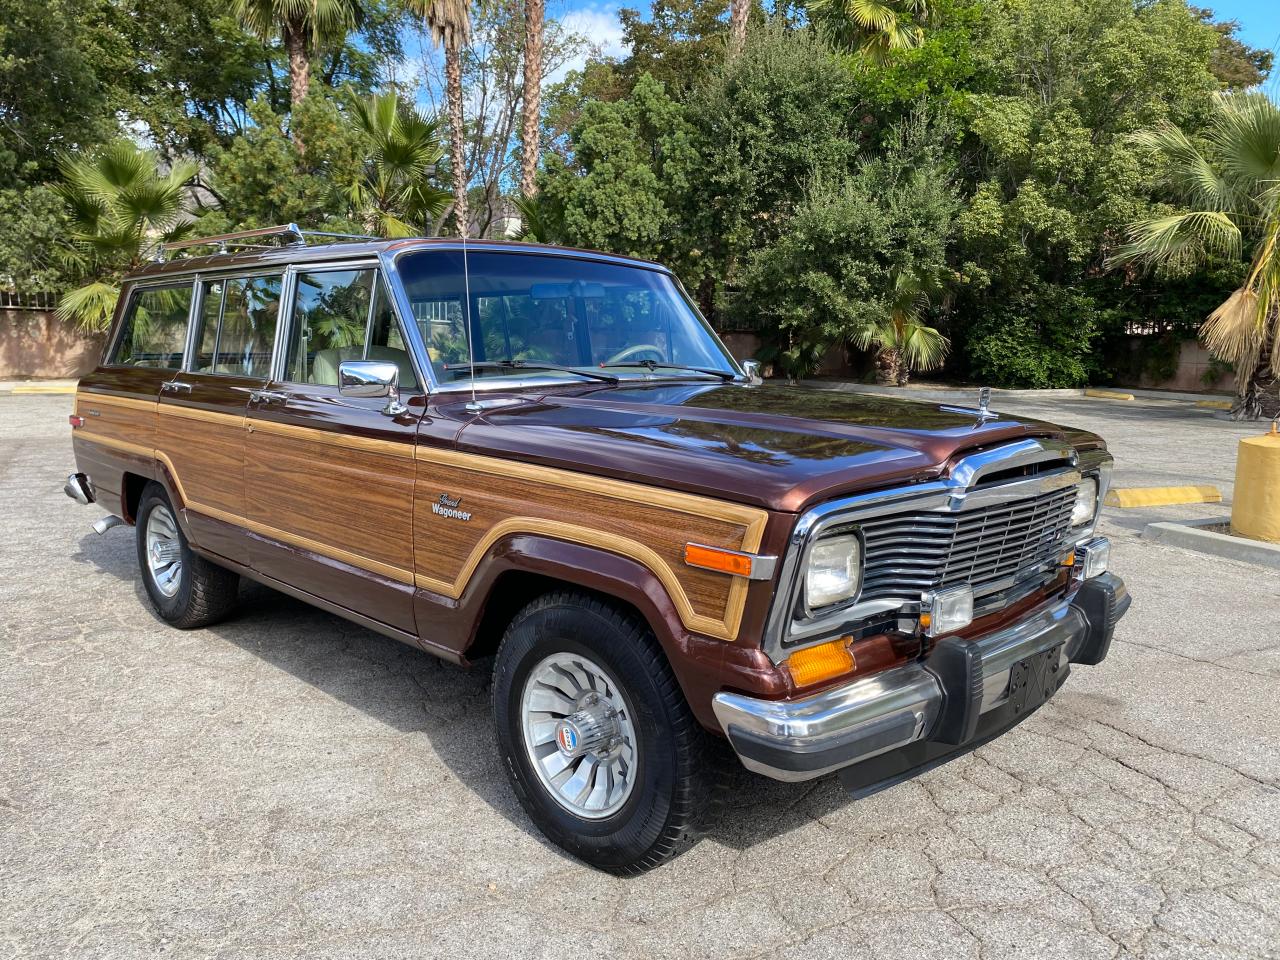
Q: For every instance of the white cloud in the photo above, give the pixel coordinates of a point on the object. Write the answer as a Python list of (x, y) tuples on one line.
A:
[(598, 24)]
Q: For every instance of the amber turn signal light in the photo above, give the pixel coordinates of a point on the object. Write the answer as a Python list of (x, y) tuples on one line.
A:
[(713, 558), (826, 660)]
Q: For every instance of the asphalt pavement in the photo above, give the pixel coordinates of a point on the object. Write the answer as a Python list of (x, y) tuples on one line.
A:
[(287, 784)]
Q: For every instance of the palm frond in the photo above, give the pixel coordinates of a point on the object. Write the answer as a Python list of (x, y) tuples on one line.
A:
[(1180, 239), (90, 307)]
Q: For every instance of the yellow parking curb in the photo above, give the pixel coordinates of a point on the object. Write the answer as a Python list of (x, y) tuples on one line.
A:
[(41, 388), (1162, 496), (1108, 395), (1214, 404)]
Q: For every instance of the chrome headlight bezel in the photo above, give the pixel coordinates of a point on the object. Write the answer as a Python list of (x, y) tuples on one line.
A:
[(846, 544), (1100, 477)]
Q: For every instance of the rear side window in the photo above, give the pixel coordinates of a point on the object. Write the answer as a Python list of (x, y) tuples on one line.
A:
[(155, 328), (237, 326)]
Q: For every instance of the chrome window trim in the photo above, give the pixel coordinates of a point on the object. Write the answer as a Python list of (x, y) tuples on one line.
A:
[(197, 305), (955, 493)]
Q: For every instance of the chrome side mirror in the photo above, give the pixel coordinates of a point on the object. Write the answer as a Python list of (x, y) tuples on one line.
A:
[(752, 369), (372, 378)]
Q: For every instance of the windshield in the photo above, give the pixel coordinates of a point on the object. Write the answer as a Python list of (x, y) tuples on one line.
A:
[(560, 311)]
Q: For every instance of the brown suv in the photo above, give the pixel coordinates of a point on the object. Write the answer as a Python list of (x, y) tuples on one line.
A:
[(547, 456)]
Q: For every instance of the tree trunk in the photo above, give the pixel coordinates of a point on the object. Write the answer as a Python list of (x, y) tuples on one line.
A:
[(295, 45), (888, 367), (738, 10), (534, 13), (1258, 395), (457, 146)]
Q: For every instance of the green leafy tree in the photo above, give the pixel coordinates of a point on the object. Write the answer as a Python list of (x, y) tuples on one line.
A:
[(631, 173), (838, 273), (260, 179), (121, 205), (394, 195), (1230, 183), (1058, 176)]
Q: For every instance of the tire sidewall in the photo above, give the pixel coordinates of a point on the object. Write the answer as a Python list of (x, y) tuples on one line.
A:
[(566, 627), (167, 608)]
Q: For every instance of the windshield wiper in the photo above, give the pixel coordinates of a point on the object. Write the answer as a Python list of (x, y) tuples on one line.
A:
[(652, 365), (531, 365)]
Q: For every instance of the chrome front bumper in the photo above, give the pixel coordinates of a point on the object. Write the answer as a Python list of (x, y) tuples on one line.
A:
[(964, 693)]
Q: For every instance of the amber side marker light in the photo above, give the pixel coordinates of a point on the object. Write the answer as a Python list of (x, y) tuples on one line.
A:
[(712, 558), (826, 660)]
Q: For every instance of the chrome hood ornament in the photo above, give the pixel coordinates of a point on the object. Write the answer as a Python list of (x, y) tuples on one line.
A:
[(983, 412)]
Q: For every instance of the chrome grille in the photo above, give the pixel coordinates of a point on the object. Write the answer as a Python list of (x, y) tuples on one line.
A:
[(909, 554)]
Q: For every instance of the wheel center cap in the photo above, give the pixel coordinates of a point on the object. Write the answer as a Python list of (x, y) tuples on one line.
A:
[(588, 730)]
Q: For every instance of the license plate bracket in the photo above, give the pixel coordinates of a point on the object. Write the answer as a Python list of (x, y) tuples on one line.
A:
[(1034, 679)]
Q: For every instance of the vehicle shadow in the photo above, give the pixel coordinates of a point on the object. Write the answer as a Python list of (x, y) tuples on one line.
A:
[(414, 692)]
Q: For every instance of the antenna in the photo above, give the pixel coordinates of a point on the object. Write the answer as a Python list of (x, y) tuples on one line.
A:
[(473, 406)]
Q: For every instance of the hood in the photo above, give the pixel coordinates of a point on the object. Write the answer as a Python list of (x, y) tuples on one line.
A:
[(782, 448)]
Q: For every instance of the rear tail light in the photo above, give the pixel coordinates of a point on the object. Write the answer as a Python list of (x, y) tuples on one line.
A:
[(75, 420)]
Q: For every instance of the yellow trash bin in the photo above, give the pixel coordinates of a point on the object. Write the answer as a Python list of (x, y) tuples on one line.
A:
[(1256, 509)]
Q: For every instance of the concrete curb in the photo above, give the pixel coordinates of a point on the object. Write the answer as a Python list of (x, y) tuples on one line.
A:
[(61, 386), (1108, 395), (1127, 497), (1189, 534)]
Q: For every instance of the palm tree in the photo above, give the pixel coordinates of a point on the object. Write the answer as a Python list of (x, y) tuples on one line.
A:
[(121, 206), (1231, 182), (534, 15), (738, 11), (874, 28), (903, 343), (301, 25), (450, 24), (393, 194)]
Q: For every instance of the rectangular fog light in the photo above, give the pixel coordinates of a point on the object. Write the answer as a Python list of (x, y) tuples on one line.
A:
[(1092, 558), (946, 611)]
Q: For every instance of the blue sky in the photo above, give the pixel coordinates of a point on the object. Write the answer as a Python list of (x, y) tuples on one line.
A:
[(1259, 20)]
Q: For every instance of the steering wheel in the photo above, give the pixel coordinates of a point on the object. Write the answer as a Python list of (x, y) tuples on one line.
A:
[(635, 350)]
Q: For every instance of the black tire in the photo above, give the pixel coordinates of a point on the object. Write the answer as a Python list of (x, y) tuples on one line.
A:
[(677, 767), (205, 592)]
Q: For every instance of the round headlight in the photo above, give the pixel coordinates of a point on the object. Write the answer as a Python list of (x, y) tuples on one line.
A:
[(835, 570), (1086, 502)]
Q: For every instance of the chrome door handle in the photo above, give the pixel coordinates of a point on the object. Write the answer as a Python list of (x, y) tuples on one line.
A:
[(175, 386), (267, 396)]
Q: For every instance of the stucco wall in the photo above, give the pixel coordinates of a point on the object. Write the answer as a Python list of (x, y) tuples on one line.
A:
[(34, 344)]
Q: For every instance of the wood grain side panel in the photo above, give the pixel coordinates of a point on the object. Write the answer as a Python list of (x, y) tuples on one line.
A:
[(205, 455), (347, 501), (121, 423), (645, 524)]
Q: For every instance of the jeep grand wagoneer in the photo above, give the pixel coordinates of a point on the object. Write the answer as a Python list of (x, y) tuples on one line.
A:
[(546, 457)]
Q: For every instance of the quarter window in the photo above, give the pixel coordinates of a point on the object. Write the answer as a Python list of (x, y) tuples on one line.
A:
[(238, 326), (154, 331), (343, 315)]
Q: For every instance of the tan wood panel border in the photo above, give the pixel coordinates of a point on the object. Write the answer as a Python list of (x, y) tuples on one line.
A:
[(110, 401), (726, 629)]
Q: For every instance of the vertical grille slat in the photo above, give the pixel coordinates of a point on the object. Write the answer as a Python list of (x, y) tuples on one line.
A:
[(912, 553)]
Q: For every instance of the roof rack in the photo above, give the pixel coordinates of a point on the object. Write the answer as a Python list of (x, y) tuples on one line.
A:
[(244, 238)]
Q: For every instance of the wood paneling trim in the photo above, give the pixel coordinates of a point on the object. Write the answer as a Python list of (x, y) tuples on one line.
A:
[(754, 520), (108, 400), (326, 550)]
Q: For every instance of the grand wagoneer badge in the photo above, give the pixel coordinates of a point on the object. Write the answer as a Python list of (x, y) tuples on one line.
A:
[(447, 506)]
